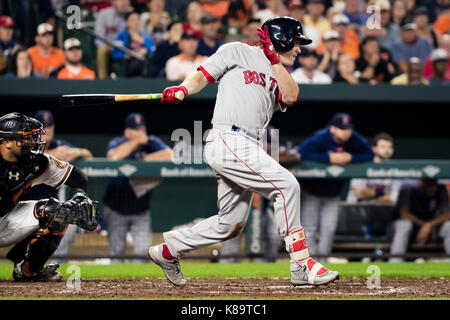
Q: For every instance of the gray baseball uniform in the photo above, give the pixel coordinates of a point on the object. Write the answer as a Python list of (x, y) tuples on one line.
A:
[(247, 97)]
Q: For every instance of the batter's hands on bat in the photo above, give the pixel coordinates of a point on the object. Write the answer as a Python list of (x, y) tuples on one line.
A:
[(267, 46), (169, 94)]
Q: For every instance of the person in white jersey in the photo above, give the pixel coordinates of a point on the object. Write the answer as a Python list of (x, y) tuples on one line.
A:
[(252, 85)]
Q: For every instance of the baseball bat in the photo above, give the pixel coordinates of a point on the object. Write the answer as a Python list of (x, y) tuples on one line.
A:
[(77, 100)]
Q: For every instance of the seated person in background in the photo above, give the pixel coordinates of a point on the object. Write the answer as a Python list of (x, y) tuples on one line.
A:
[(413, 76), (308, 72), (370, 64), (155, 21), (178, 67), (422, 212), (250, 32), (348, 38), (45, 58), (208, 44), (444, 43), (439, 60), (136, 41), (424, 29), (108, 23), (8, 46), (346, 72), (315, 17), (166, 49), (331, 47), (194, 14), (73, 69), (383, 191), (410, 46), (127, 200), (20, 65)]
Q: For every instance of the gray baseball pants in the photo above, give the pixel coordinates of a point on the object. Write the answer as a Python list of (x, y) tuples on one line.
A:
[(139, 226), (243, 168), (320, 219)]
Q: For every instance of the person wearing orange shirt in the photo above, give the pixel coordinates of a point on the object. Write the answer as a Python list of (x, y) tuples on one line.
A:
[(349, 39), (73, 69), (44, 56)]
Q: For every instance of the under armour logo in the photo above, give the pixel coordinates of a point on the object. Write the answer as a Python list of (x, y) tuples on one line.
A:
[(15, 175)]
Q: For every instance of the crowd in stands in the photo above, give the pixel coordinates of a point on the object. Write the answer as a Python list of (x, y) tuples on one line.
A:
[(354, 41)]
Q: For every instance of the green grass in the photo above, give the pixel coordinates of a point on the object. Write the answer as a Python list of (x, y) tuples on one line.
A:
[(250, 270)]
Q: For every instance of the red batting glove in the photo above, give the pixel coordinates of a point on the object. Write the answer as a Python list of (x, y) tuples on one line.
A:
[(267, 46), (169, 94)]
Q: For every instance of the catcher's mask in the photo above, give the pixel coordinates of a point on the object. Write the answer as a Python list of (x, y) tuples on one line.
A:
[(26, 131)]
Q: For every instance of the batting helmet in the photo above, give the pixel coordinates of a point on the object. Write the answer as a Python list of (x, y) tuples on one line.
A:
[(27, 131), (284, 32)]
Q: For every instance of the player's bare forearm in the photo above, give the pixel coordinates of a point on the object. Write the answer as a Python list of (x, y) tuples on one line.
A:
[(163, 155), (287, 86), (195, 82), (122, 151), (405, 214), (440, 219)]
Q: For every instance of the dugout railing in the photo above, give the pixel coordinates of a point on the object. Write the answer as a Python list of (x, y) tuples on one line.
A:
[(187, 193)]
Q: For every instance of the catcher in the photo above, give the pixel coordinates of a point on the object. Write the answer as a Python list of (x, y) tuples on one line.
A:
[(34, 229)]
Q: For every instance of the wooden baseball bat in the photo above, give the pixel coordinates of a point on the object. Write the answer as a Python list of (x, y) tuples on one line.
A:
[(80, 100)]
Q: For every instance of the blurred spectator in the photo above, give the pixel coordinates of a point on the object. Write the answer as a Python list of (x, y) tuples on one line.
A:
[(61, 150), (209, 43), (127, 200), (297, 11), (239, 13), (398, 11), (413, 76), (20, 65), (439, 60), (331, 48), (251, 36), (410, 46), (422, 213), (390, 32), (178, 67), (218, 8), (155, 21), (108, 23), (337, 144), (136, 41), (166, 49), (370, 64), (45, 58), (444, 43), (274, 8), (377, 190), (194, 14), (73, 69), (308, 72), (424, 30), (8, 46), (353, 12), (315, 16), (346, 72), (348, 38)]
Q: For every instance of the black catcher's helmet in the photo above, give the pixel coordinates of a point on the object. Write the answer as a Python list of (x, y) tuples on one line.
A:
[(25, 130), (284, 32)]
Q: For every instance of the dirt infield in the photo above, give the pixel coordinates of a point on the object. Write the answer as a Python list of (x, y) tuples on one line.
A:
[(229, 287)]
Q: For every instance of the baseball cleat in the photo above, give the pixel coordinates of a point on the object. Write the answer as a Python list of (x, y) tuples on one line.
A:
[(170, 267), (48, 273), (313, 273)]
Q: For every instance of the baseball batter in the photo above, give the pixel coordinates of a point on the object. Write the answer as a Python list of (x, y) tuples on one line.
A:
[(253, 84)]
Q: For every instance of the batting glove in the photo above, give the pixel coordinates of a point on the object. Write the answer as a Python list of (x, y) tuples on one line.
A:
[(169, 94), (267, 46)]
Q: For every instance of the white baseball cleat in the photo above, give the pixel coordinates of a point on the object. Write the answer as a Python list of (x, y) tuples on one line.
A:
[(171, 267), (313, 273)]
